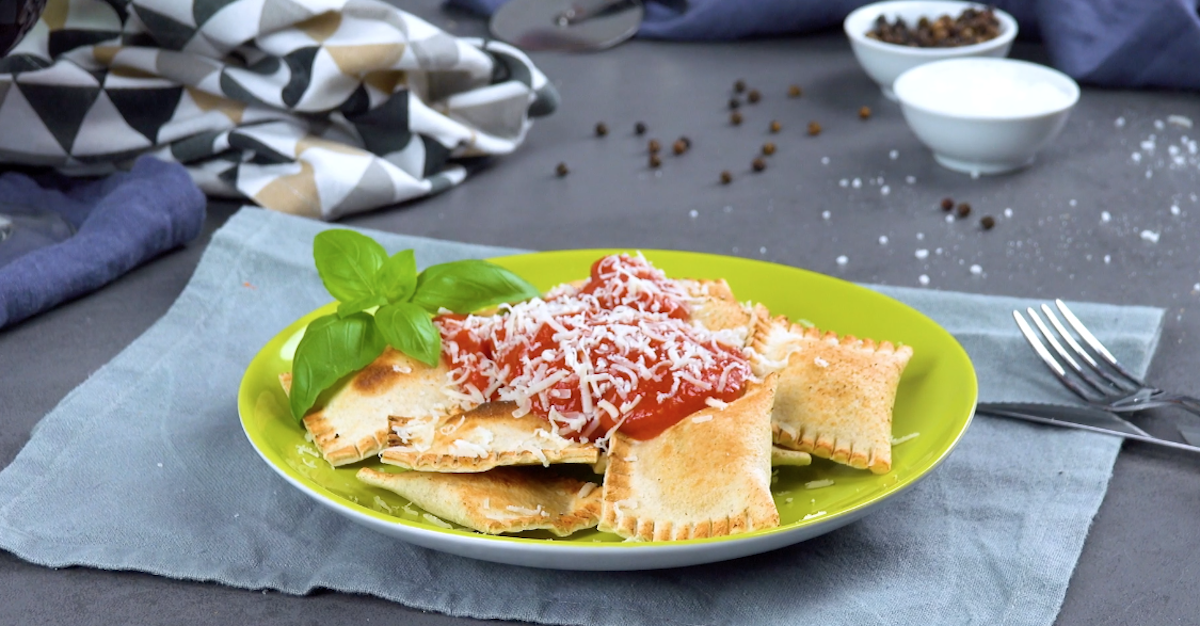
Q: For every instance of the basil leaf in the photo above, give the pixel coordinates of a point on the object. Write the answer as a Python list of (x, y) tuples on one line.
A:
[(466, 286), (348, 263), (349, 308), (331, 348), (408, 328), (398, 276)]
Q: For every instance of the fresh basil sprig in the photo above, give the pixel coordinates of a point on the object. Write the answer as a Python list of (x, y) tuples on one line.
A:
[(382, 301)]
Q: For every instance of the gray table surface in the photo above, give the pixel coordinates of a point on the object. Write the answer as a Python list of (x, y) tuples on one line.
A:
[(1139, 564)]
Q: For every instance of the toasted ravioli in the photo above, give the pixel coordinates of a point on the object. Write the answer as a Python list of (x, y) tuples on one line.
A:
[(836, 395), (715, 308), (353, 425), (503, 500), (477, 440), (706, 476)]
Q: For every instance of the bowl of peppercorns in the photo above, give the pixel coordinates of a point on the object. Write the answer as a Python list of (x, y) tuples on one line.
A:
[(890, 38)]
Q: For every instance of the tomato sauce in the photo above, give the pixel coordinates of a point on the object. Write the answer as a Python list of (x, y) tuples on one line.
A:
[(616, 353)]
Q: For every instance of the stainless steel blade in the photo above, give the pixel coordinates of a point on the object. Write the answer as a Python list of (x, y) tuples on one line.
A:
[(1084, 418)]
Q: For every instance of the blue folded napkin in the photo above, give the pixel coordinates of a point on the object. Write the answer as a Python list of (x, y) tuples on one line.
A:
[(1112, 43), (120, 222)]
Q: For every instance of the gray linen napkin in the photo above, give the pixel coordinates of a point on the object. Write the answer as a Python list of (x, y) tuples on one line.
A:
[(144, 467)]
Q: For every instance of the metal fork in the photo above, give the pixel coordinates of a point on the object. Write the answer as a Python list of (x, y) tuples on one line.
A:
[(1104, 383)]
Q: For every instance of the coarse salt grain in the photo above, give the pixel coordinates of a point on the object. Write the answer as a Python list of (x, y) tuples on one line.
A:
[(826, 214), (922, 253), (1008, 212), (1119, 122), (910, 179), (894, 154), (844, 183), (762, 250), (856, 183), (976, 269), (885, 190), (883, 239), (1105, 216), (923, 279), (1072, 202), (920, 236), (824, 160), (843, 259), (1107, 259), (1136, 156), (950, 219), (1149, 235), (693, 213), (1175, 209), (1158, 124)]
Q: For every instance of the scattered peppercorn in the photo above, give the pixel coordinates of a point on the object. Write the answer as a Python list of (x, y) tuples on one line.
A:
[(686, 141), (776, 126), (758, 164), (768, 148), (726, 177), (864, 112), (735, 118), (814, 129), (794, 91), (947, 204), (653, 146), (753, 96), (601, 129), (734, 103), (655, 161), (739, 86), (562, 170), (679, 147), (639, 128), (987, 222), (964, 209)]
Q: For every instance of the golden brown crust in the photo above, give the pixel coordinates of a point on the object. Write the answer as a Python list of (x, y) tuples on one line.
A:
[(706, 476), (503, 500), (477, 440), (353, 425), (835, 398), (715, 307)]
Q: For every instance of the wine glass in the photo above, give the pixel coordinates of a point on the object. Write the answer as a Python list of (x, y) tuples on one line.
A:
[(24, 228), (569, 25)]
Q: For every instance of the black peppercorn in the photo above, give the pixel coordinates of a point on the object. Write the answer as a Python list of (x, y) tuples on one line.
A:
[(655, 161), (686, 141), (562, 170), (679, 147), (734, 103), (814, 129), (794, 91), (758, 164), (864, 112), (753, 96), (964, 209), (739, 86), (768, 148), (726, 177), (735, 118), (947, 204), (987, 222), (601, 129), (653, 146), (639, 128), (776, 126)]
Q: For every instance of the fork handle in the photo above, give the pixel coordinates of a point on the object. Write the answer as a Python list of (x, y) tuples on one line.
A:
[(1187, 403)]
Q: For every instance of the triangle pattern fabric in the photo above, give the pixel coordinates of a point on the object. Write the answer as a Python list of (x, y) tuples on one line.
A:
[(169, 33), (104, 131), (61, 109), (24, 133), (146, 110), (279, 13)]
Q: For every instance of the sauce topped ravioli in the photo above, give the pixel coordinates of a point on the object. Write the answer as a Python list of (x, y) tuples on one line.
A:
[(617, 352)]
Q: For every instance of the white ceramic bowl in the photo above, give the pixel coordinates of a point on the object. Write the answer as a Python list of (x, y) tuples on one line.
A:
[(985, 116), (884, 62)]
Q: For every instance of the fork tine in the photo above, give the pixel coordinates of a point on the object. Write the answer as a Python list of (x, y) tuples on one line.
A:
[(1048, 359), (1122, 385), (1095, 344), (1099, 386)]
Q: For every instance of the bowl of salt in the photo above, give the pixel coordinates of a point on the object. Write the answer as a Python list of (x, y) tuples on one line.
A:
[(985, 115)]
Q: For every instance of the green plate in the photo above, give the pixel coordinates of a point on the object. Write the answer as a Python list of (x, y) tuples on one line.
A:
[(935, 402)]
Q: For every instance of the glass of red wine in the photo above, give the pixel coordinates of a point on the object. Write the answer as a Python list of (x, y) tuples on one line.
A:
[(24, 228)]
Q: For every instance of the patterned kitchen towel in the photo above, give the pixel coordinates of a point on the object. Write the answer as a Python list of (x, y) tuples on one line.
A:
[(318, 108)]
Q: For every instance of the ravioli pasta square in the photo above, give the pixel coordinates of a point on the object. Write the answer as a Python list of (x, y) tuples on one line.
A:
[(477, 440), (353, 425), (708, 475), (836, 395), (502, 500)]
